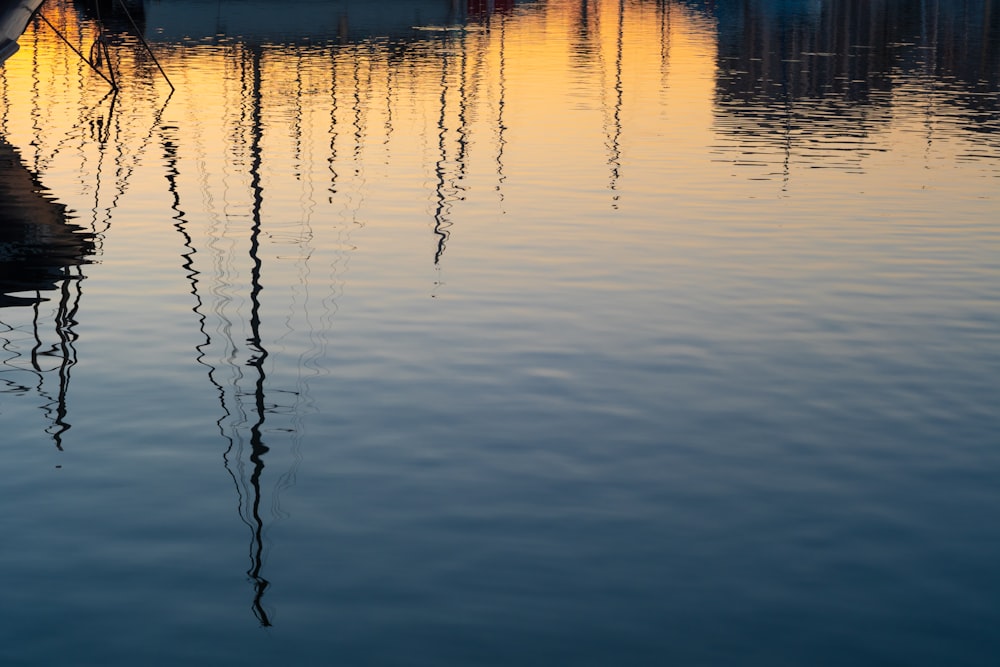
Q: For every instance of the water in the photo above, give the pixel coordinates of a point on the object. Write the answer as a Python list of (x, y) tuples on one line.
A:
[(587, 333)]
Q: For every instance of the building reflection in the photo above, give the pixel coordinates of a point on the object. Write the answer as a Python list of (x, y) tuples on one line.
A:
[(41, 253)]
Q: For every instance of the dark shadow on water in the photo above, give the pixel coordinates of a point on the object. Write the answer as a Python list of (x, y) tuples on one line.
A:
[(822, 76), (41, 253), (38, 244)]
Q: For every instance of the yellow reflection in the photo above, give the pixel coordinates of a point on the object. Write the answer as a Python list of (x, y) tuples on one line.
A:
[(570, 104), (570, 89)]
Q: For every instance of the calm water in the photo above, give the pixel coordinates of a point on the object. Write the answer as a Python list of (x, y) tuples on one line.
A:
[(577, 332)]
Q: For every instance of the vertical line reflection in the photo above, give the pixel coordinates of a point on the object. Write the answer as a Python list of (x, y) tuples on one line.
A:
[(257, 447), (615, 140)]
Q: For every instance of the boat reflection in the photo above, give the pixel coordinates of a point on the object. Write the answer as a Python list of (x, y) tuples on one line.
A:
[(40, 252), (802, 81)]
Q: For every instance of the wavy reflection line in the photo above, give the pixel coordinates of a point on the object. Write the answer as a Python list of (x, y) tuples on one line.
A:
[(360, 130), (229, 420), (4, 99), (501, 107), (389, 90), (234, 416), (442, 207), (8, 345), (340, 263), (257, 447), (170, 152), (615, 140), (36, 107), (303, 240), (332, 160), (55, 407), (65, 321), (462, 138), (665, 8)]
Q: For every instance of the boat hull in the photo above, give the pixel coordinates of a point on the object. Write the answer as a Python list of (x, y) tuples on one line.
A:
[(14, 17)]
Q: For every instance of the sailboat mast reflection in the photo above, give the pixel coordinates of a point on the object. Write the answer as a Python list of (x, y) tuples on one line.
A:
[(248, 487), (441, 205), (614, 141), (257, 447), (64, 350)]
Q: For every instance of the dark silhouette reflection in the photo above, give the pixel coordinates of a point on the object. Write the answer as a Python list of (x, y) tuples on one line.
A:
[(40, 252), (831, 73), (444, 189), (259, 353), (37, 242), (615, 124)]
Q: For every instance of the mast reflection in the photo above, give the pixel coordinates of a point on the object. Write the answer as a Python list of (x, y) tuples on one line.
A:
[(247, 238), (259, 353)]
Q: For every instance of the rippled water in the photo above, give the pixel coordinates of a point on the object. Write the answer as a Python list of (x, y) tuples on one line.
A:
[(570, 332)]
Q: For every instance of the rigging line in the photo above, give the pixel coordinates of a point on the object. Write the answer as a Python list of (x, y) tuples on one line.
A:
[(138, 33), (77, 51), (102, 41)]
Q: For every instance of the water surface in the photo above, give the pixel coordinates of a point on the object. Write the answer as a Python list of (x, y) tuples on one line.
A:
[(569, 332)]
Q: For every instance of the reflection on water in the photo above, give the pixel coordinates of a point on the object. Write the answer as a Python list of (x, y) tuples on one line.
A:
[(40, 251), (820, 83), (576, 332)]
